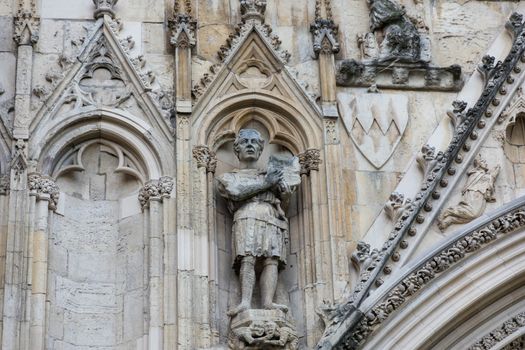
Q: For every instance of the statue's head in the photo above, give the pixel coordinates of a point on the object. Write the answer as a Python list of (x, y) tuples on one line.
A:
[(248, 145), (480, 163)]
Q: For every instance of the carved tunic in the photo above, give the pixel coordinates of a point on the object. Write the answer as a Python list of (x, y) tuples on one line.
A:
[(260, 227)]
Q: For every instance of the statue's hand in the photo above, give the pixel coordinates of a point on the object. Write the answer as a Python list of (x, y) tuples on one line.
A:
[(274, 177), (284, 187)]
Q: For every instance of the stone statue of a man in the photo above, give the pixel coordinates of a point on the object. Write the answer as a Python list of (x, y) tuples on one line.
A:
[(260, 227)]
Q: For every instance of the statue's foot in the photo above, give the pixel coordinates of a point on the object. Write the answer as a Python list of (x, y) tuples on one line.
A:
[(274, 306), (236, 310)]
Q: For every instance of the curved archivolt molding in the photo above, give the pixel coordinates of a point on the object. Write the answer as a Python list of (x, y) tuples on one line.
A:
[(478, 266), (133, 141), (287, 124), (456, 298)]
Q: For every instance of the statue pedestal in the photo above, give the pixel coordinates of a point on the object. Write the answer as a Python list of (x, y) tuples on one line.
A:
[(262, 329)]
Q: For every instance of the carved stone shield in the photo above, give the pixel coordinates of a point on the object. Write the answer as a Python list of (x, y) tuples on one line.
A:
[(375, 122)]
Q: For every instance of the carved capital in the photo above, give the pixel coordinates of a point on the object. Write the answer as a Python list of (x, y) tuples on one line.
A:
[(325, 36), (253, 10), (4, 184), (104, 7), (155, 189), (165, 186), (205, 158), (310, 160), (27, 25), (44, 186), (183, 28)]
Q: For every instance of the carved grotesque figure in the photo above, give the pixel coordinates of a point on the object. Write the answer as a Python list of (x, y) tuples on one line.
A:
[(477, 192), (260, 227), (401, 40)]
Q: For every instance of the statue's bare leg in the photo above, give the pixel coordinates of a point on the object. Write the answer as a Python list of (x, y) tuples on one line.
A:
[(268, 284), (247, 276)]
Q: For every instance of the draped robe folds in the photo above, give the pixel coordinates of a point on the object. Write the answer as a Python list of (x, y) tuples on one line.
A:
[(260, 227), (477, 192)]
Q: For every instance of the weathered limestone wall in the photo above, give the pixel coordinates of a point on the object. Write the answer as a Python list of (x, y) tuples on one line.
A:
[(458, 35), (99, 258), (96, 278)]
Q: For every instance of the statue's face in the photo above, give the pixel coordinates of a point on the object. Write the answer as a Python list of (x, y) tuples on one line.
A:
[(483, 164), (249, 147)]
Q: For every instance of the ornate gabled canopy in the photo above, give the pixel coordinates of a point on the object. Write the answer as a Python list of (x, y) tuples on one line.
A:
[(411, 257), (253, 73), (102, 75)]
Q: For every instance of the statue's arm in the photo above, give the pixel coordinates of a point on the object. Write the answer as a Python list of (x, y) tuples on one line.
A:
[(495, 171), (230, 187)]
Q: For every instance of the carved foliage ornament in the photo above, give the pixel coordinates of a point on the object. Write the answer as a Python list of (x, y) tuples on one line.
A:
[(435, 177), (496, 336), (433, 267), (27, 25), (310, 160), (44, 185), (205, 158), (155, 189)]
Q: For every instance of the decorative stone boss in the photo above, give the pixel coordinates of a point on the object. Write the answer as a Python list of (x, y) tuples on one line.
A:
[(260, 228)]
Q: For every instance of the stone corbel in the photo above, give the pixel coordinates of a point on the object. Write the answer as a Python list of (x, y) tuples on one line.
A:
[(44, 188), (310, 160), (205, 158)]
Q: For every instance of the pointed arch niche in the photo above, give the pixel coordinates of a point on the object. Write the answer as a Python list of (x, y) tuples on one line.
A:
[(99, 233), (288, 128)]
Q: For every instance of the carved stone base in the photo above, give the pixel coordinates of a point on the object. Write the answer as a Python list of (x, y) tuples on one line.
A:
[(410, 76), (262, 329)]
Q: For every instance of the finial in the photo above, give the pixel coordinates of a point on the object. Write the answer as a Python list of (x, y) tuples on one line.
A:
[(104, 7)]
